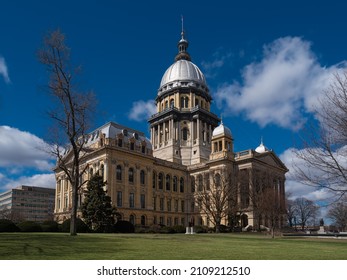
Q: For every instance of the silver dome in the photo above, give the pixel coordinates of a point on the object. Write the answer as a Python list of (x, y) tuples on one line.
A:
[(222, 130), (183, 73)]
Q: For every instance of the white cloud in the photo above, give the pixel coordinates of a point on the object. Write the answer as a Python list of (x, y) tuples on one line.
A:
[(280, 88), (37, 180), (298, 189), (19, 149), (142, 110), (3, 70)]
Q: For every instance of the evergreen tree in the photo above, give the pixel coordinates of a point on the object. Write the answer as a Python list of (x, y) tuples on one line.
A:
[(97, 210)]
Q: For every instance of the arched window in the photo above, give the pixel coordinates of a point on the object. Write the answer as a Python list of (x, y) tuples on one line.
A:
[(181, 185), (102, 169), (131, 175), (154, 180), (166, 104), (160, 181), (182, 102), (168, 182), (185, 134), (91, 172), (193, 184), (119, 172), (217, 180), (186, 101), (200, 183), (207, 181), (172, 103), (174, 183)]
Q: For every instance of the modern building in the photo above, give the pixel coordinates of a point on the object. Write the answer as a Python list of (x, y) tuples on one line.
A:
[(190, 152), (27, 203)]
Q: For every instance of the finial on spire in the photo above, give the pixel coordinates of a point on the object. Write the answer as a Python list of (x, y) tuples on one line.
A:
[(182, 31), (182, 45)]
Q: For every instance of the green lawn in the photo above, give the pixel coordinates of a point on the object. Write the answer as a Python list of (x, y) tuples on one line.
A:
[(41, 246)]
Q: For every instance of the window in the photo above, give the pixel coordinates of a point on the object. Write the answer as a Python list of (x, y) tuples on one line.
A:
[(161, 220), (161, 204), (154, 180), (172, 103), (192, 206), (168, 203), (160, 181), (142, 177), (120, 142), (154, 203), (207, 181), (143, 149), (143, 220), (119, 199), (181, 185), (176, 205), (131, 200), (200, 183), (185, 134), (174, 183), (218, 180), (131, 175), (169, 219), (176, 221), (132, 219), (143, 201), (132, 146), (182, 221), (119, 172), (166, 104), (182, 205), (168, 182), (193, 184)]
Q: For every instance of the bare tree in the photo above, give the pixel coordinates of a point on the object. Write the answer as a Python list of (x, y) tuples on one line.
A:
[(270, 207), (291, 212), (217, 199), (71, 114), (338, 213), (305, 210), (324, 152)]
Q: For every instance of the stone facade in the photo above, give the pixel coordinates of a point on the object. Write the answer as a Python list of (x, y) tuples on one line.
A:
[(160, 181)]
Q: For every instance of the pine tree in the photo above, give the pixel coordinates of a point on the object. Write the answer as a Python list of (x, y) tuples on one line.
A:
[(97, 210)]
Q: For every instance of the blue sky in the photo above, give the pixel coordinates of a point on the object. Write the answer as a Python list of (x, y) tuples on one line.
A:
[(266, 63)]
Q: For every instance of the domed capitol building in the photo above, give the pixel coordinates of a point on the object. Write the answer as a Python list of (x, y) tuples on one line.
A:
[(187, 173)]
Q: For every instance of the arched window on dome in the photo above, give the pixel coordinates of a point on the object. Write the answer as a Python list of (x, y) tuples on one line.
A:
[(172, 103), (166, 104)]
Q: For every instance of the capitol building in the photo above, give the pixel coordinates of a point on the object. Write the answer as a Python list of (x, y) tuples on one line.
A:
[(167, 179)]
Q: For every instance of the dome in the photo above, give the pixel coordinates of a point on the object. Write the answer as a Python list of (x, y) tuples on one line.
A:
[(261, 148), (183, 73), (221, 130)]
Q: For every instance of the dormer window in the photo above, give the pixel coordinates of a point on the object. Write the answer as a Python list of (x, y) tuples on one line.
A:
[(132, 146)]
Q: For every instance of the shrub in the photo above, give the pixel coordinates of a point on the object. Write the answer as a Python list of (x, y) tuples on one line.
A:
[(50, 226), (81, 226), (200, 229), (124, 227), (179, 229), (8, 226), (29, 226)]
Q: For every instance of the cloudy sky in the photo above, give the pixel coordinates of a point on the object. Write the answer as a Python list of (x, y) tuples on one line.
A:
[(266, 63)]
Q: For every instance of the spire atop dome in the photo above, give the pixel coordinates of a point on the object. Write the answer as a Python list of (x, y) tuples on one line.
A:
[(182, 46), (261, 148)]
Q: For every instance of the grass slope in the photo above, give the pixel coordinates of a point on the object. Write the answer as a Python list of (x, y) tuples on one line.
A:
[(46, 246)]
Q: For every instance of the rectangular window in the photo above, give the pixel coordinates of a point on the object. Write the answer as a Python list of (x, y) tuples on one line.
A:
[(176, 205), (161, 204), (131, 200), (119, 199), (161, 220), (168, 202), (143, 201), (182, 205), (154, 203)]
